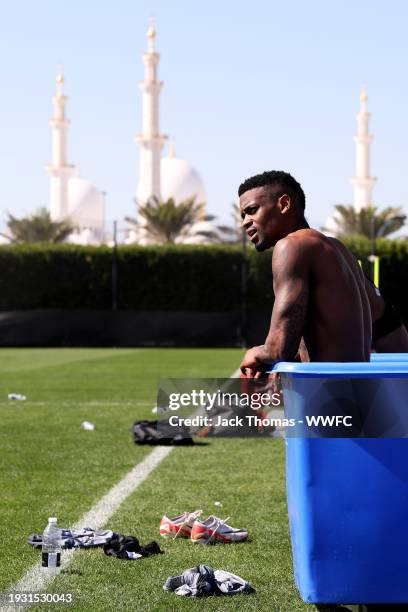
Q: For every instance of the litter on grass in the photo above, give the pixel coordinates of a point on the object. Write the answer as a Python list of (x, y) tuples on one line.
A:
[(17, 397), (218, 503), (88, 426)]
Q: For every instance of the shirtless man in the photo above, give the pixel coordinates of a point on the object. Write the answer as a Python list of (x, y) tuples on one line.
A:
[(318, 285)]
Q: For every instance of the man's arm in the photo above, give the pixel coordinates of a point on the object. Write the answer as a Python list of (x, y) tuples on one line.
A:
[(290, 269)]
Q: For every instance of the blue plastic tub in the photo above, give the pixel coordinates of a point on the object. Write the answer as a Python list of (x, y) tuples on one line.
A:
[(347, 498), (397, 357)]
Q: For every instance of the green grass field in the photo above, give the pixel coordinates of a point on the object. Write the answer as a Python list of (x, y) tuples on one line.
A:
[(50, 466)]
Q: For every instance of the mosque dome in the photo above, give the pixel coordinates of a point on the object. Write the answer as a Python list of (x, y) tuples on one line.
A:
[(180, 181), (86, 203), (84, 236), (332, 225), (195, 236), (4, 239)]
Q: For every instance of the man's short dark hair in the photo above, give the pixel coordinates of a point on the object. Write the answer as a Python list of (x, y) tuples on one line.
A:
[(276, 177)]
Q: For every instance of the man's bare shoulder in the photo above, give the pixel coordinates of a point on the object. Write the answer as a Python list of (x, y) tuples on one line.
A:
[(298, 244), (294, 253)]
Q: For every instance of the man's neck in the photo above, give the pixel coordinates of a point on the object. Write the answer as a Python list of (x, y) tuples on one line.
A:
[(300, 224)]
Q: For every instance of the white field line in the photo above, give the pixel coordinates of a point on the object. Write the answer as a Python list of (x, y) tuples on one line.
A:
[(37, 578), (21, 404)]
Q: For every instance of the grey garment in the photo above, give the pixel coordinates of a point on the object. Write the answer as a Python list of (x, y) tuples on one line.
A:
[(204, 580), (231, 584), (81, 538)]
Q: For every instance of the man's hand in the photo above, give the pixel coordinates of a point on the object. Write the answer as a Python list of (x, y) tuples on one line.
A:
[(252, 365)]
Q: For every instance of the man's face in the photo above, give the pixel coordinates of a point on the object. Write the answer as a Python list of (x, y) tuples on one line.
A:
[(262, 217)]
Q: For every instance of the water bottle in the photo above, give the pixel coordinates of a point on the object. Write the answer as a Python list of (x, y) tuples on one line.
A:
[(51, 545)]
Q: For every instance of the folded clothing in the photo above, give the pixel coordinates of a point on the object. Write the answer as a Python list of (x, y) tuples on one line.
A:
[(80, 538), (114, 544), (128, 547), (204, 580)]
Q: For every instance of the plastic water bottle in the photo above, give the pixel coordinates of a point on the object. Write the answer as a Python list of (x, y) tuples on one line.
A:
[(51, 545)]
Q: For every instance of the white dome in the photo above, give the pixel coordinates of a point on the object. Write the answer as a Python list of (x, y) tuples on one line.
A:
[(85, 204), (180, 181), (331, 227), (131, 237), (85, 237), (4, 239), (195, 237)]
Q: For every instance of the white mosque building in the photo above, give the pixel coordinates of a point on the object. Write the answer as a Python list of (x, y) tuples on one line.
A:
[(74, 198), (71, 196), (161, 177), (363, 183)]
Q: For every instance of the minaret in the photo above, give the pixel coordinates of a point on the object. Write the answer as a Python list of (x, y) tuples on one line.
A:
[(362, 182), (59, 170), (150, 140)]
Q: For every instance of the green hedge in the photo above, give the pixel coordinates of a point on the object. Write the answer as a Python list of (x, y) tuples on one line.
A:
[(148, 278), (393, 267), (41, 276), (205, 278)]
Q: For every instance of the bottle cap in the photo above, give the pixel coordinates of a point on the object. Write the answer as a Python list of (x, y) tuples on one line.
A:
[(52, 519)]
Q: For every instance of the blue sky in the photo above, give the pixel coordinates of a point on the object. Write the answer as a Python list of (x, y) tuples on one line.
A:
[(249, 86)]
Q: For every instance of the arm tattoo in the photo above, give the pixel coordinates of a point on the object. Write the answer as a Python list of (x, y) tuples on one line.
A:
[(291, 323), (291, 284)]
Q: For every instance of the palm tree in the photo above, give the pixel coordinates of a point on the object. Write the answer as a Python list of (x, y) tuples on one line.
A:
[(367, 221), (168, 222), (38, 227)]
